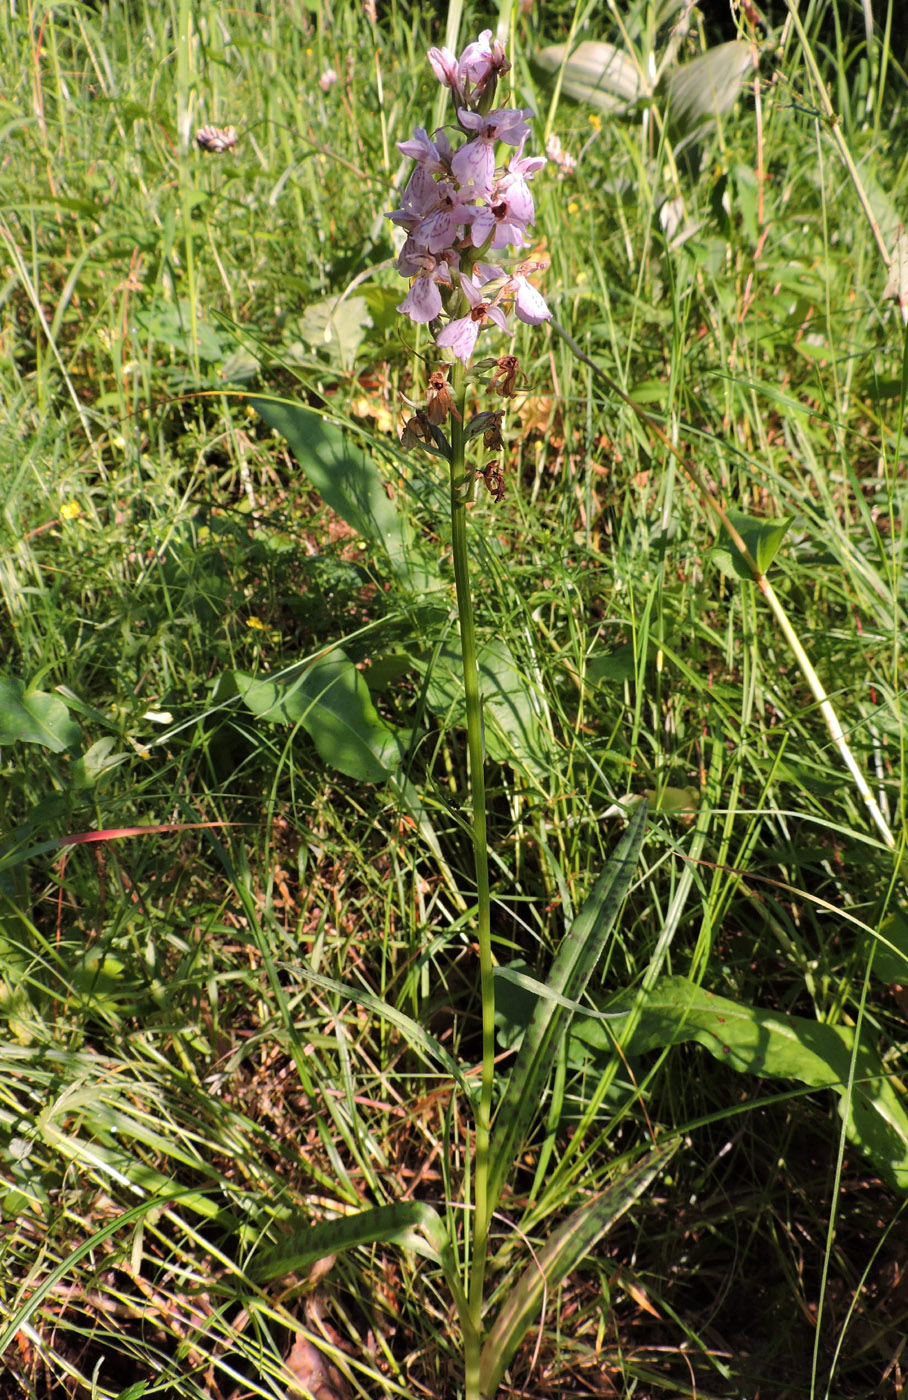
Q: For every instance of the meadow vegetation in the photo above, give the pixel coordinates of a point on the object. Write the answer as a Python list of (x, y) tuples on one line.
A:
[(239, 971)]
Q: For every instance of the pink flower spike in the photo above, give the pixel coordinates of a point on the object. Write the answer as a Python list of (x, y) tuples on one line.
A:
[(506, 124), (473, 167), (441, 229), (481, 64), (444, 66), (460, 336), (476, 57), (420, 196)]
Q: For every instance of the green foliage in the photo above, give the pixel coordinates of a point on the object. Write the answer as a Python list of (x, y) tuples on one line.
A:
[(227, 618), (770, 1045), (33, 717), (330, 700), (761, 538), (571, 971)]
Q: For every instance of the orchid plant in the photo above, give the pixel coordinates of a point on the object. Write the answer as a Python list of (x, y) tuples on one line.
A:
[(460, 208), (466, 204)]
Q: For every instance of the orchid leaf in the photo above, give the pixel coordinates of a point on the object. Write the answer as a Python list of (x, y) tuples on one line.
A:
[(331, 701), (512, 716), (771, 1045), (566, 1247), (348, 480), (571, 970), (411, 1224)]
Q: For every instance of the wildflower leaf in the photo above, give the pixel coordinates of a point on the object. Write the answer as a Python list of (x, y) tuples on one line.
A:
[(572, 969), (411, 1224), (331, 701), (890, 944), (349, 482), (512, 717), (565, 1248), (701, 91), (770, 1045), (35, 717), (337, 325), (763, 539)]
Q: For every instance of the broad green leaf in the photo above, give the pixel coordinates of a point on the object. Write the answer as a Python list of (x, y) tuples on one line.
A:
[(564, 1250), (673, 802), (411, 1224), (172, 324), (101, 758), (349, 482), (890, 948), (574, 964), (773, 1046), (596, 73), (762, 537), (512, 721), (331, 701), (337, 324), (35, 717)]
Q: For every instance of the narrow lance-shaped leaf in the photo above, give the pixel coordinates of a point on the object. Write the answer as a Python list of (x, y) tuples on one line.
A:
[(771, 1045), (411, 1224), (566, 1247), (408, 1224), (574, 964), (348, 481)]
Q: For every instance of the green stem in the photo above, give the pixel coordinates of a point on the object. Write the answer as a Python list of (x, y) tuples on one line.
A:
[(461, 493)]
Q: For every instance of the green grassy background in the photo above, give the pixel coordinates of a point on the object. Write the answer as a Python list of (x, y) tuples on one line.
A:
[(175, 1092)]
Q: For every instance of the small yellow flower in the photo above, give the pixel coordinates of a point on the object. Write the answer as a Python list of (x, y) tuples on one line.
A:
[(70, 510), (573, 207), (595, 121), (256, 624)]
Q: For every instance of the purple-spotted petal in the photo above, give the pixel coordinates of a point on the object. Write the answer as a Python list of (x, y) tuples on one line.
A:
[(460, 337), (423, 301), (473, 166), (529, 303)]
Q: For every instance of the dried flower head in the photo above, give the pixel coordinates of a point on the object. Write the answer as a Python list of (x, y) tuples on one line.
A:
[(216, 139), (439, 402)]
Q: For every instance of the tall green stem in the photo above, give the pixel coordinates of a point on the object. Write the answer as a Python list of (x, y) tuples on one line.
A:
[(461, 493)]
